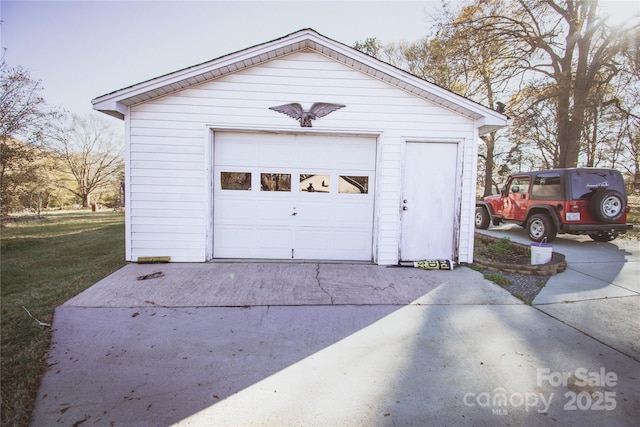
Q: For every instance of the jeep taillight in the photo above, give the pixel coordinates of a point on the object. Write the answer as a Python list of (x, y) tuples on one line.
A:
[(573, 213)]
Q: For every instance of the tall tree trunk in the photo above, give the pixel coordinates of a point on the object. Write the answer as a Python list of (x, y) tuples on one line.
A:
[(570, 120), (489, 162), (565, 122)]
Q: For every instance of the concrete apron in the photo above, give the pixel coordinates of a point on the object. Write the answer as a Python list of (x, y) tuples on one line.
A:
[(322, 344)]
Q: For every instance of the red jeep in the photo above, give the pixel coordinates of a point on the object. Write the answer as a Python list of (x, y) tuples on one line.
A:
[(574, 201)]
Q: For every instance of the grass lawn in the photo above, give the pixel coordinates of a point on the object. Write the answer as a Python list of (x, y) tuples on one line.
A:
[(45, 262)]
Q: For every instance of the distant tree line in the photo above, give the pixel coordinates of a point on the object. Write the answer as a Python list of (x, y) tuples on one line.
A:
[(49, 158), (567, 77)]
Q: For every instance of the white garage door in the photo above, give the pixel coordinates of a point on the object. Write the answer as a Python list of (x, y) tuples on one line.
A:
[(284, 196)]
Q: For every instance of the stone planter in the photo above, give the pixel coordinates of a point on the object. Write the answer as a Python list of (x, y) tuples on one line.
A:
[(557, 264)]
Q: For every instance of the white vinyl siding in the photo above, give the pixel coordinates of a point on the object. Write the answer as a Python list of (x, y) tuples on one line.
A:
[(168, 138)]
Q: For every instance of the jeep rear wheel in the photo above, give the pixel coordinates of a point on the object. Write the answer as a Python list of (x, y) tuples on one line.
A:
[(482, 218), (607, 205), (540, 227)]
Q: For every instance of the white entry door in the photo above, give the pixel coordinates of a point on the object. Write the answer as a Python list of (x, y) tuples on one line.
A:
[(284, 196), (429, 195)]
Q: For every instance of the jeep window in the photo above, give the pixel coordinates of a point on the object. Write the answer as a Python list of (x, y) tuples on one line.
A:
[(546, 186), (584, 183), (519, 184)]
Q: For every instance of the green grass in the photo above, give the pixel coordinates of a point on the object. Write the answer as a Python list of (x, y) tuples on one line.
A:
[(45, 262), (500, 247), (498, 279)]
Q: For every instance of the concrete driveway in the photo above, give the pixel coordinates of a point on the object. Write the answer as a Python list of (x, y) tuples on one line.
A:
[(599, 293), (291, 344)]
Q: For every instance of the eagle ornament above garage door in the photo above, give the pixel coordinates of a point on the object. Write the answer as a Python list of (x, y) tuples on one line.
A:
[(292, 196)]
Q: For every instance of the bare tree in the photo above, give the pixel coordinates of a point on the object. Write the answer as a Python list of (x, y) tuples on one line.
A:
[(534, 128), (23, 115), (628, 106), (454, 59), (566, 41), (487, 75), (90, 152)]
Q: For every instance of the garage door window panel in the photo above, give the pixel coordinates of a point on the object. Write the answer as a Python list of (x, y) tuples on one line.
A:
[(353, 184), (275, 182), (235, 181), (315, 183)]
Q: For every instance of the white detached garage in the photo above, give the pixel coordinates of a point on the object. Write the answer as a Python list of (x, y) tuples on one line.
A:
[(222, 163)]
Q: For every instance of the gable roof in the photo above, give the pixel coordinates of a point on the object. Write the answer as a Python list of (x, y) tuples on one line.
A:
[(116, 103)]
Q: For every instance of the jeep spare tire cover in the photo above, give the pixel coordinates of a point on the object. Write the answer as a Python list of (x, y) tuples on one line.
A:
[(607, 205)]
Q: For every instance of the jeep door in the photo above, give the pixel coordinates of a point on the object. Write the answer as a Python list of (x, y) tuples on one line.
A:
[(515, 200)]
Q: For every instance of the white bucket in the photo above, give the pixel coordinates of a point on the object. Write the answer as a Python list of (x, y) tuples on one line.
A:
[(541, 253)]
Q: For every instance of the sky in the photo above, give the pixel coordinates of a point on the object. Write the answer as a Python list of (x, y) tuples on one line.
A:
[(80, 50), (83, 49)]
